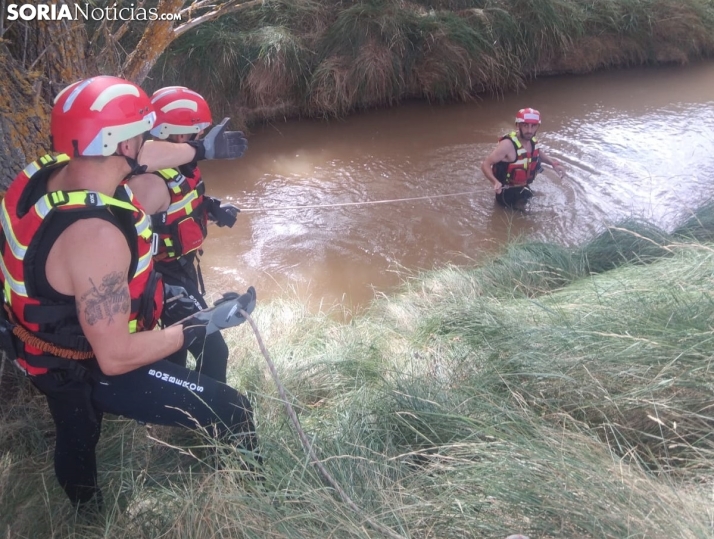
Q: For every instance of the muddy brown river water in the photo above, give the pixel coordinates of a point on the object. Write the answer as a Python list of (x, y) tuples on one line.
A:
[(315, 224)]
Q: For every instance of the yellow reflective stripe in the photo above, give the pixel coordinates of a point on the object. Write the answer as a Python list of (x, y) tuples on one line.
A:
[(16, 286), (32, 169), (184, 204), (17, 248), (43, 207), (142, 264), (109, 201), (49, 160), (514, 137), (132, 326), (143, 227), (173, 178), (168, 173)]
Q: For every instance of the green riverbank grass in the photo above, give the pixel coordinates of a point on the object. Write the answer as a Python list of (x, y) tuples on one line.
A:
[(320, 58), (535, 393)]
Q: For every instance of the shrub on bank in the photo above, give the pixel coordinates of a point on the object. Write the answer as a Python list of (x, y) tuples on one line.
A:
[(321, 58)]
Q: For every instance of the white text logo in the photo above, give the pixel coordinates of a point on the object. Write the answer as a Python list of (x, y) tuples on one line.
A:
[(86, 12)]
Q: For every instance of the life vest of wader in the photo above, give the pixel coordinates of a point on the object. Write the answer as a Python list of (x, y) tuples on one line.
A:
[(182, 228), (523, 170), (47, 332)]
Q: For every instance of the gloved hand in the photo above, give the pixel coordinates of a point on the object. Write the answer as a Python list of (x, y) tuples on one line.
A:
[(220, 144), (222, 214), (224, 314), (178, 304)]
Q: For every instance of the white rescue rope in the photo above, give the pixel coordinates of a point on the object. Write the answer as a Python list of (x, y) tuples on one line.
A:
[(306, 443)]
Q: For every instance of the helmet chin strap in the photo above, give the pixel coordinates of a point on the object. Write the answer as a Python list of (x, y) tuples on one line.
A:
[(135, 167), (133, 163)]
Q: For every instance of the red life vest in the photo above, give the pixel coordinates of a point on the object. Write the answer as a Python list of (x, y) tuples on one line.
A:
[(523, 170), (26, 217), (182, 228)]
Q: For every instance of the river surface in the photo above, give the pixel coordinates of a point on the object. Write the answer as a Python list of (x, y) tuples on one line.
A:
[(315, 224)]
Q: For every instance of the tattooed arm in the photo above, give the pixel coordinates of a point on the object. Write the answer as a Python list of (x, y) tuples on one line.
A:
[(90, 261)]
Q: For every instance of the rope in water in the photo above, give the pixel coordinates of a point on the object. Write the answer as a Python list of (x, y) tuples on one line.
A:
[(364, 203), (314, 459), (370, 202)]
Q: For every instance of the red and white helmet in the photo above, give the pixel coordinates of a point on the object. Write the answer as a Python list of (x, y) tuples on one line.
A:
[(179, 111), (92, 116), (528, 116)]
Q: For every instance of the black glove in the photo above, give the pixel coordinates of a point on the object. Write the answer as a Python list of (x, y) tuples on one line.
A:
[(222, 214), (224, 314), (178, 304), (220, 144)]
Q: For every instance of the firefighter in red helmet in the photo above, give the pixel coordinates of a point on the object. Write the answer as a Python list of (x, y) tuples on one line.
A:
[(81, 294), (180, 212), (516, 161)]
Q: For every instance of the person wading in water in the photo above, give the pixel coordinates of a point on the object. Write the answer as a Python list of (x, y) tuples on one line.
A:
[(513, 165)]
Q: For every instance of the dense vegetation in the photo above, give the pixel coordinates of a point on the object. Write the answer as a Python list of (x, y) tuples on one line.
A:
[(328, 58), (558, 392)]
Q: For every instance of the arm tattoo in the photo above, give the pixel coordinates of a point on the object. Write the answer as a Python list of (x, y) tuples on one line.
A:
[(106, 300)]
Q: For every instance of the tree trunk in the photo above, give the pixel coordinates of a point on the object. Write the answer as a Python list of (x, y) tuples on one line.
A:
[(156, 38), (24, 118), (37, 60)]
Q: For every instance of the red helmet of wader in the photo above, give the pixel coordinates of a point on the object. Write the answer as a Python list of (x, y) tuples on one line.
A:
[(92, 116), (179, 111), (528, 116)]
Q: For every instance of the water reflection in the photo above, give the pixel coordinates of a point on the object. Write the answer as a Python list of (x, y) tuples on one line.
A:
[(637, 143)]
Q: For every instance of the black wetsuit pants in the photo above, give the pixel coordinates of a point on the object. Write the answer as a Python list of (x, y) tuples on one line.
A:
[(162, 393), (514, 197), (211, 354)]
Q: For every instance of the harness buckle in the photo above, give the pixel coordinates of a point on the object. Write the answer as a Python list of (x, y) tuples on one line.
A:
[(58, 198), (48, 160), (154, 244)]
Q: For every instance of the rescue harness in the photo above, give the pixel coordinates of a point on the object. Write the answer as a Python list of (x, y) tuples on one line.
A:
[(523, 170)]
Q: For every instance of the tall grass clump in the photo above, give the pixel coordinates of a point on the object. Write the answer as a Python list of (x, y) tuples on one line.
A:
[(699, 226), (631, 241), (527, 395), (318, 58), (363, 57)]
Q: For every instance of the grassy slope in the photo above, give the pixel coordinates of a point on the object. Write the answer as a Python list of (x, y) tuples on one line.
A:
[(540, 393), (328, 58)]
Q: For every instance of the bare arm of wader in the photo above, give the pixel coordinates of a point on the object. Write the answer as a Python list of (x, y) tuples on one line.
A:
[(504, 151), (554, 163), (90, 261)]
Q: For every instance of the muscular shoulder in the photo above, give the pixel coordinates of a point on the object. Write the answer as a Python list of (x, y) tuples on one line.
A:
[(150, 192), (102, 231), (87, 246), (504, 151)]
